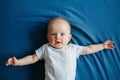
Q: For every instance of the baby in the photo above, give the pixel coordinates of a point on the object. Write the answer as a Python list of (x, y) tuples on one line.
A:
[(60, 56)]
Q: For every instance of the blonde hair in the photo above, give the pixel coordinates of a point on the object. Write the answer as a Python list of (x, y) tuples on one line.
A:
[(59, 18)]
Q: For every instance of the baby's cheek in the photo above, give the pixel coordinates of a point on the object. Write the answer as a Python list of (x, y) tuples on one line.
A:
[(50, 39)]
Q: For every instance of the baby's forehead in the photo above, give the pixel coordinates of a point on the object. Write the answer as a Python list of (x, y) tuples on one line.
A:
[(59, 21)]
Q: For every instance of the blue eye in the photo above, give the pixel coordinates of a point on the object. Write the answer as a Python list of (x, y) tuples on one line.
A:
[(62, 34)]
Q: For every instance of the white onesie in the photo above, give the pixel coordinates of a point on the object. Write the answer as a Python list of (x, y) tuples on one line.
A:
[(60, 64)]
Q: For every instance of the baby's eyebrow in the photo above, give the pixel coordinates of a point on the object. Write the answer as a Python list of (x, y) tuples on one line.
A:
[(53, 33)]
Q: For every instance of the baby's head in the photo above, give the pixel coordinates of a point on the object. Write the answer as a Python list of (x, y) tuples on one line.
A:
[(59, 32)]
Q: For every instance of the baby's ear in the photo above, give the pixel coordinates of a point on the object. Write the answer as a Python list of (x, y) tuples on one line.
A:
[(47, 35), (70, 36)]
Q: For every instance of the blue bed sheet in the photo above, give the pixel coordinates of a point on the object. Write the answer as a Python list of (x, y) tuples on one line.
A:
[(23, 26)]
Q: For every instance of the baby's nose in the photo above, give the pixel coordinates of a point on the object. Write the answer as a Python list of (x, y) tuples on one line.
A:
[(58, 36)]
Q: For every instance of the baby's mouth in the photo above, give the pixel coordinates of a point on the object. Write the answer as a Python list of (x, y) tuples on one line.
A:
[(58, 42)]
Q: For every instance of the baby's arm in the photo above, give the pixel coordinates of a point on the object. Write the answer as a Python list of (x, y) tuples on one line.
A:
[(30, 59), (98, 47)]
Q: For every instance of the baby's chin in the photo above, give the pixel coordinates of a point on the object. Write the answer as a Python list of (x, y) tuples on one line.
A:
[(58, 47)]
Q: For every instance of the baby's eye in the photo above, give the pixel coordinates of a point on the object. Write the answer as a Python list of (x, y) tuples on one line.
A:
[(62, 34)]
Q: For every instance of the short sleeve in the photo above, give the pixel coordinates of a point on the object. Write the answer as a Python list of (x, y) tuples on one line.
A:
[(78, 50), (40, 52)]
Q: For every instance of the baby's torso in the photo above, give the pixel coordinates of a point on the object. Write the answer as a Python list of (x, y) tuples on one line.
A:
[(60, 64)]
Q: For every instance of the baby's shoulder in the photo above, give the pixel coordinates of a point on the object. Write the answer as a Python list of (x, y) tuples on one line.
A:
[(73, 46)]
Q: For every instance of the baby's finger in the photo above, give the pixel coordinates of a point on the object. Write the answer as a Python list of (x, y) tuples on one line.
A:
[(111, 46), (8, 62), (14, 61)]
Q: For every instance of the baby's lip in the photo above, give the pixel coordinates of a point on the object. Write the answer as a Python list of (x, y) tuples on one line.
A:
[(58, 42)]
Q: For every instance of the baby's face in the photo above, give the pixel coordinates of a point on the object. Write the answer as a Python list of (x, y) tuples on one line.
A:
[(59, 34)]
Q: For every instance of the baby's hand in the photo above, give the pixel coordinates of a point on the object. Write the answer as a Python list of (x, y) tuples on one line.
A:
[(12, 61), (108, 45)]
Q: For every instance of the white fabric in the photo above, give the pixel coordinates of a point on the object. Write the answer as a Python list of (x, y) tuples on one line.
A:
[(60, 64)]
